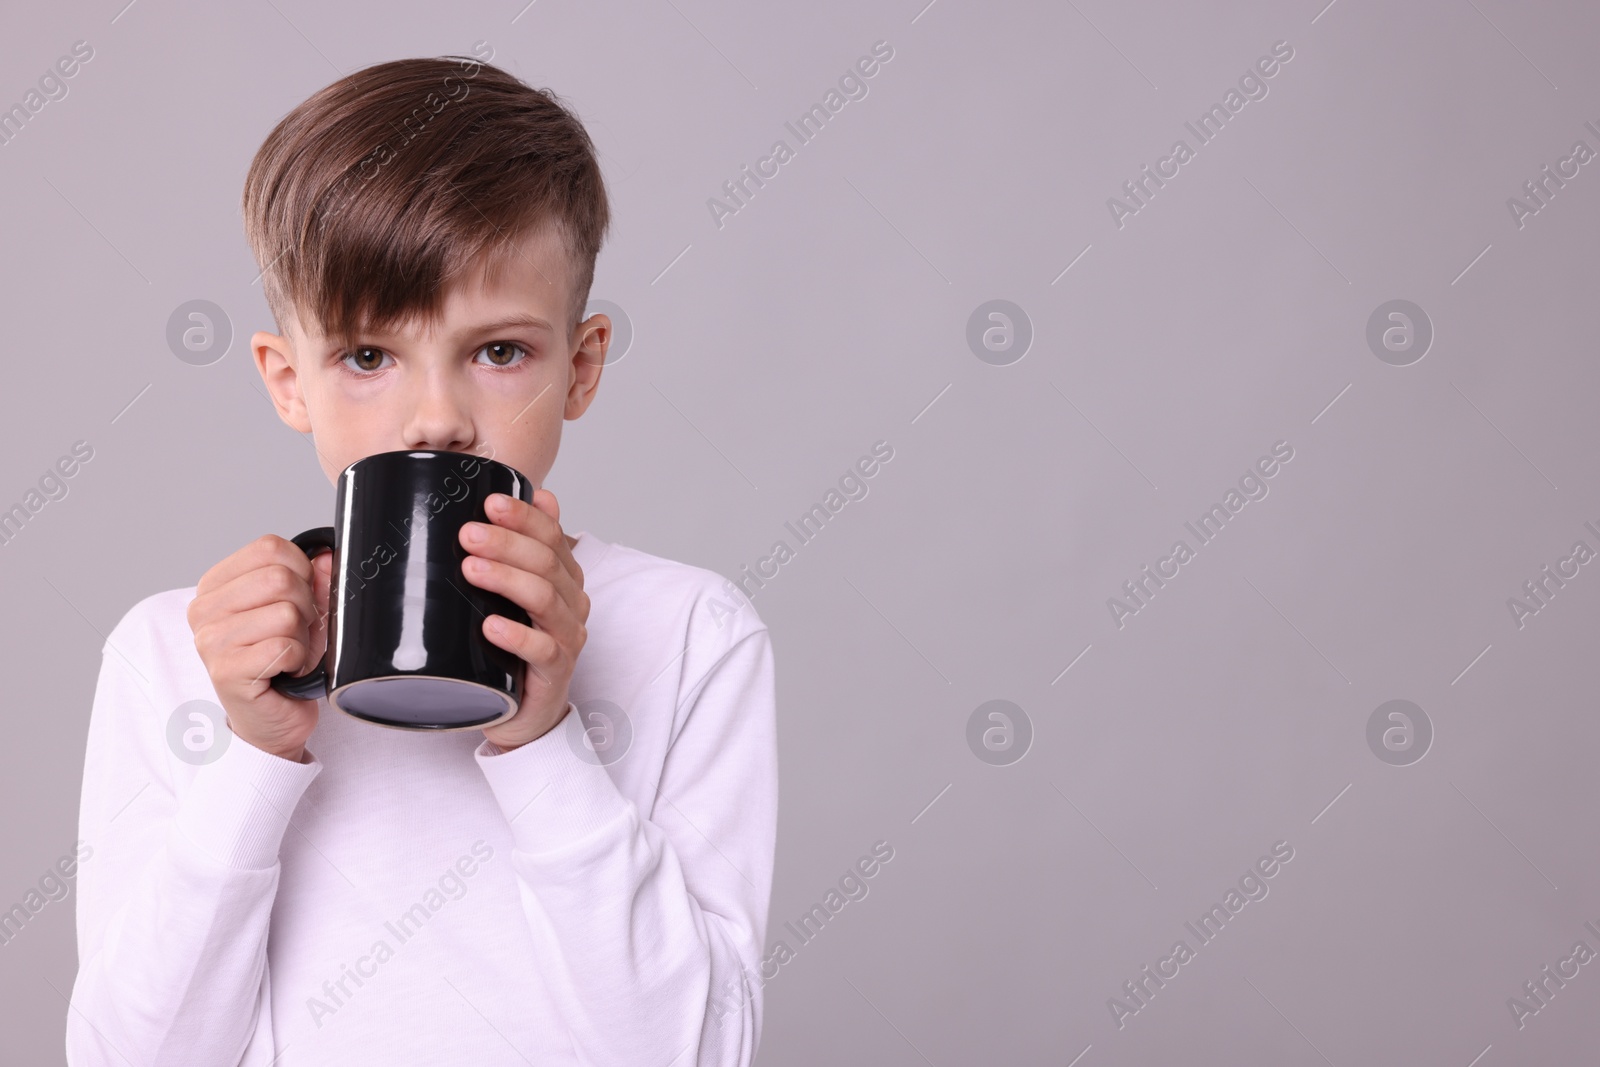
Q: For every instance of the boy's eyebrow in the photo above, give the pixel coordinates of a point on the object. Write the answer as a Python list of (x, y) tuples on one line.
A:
[(508, 322)]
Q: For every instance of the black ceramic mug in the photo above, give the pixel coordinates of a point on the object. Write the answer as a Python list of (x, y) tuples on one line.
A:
[(405, 627)]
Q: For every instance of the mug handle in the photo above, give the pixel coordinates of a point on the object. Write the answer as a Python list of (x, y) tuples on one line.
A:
[(313, 684)]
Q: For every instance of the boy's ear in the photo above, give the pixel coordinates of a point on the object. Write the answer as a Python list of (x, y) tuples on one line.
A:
[(593, 340), (275, 360)]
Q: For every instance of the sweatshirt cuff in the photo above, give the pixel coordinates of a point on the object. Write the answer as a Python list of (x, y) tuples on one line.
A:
[(237, 809), (550, 796)]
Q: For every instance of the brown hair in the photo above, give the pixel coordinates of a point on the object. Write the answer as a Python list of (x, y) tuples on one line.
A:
[(367, 198)]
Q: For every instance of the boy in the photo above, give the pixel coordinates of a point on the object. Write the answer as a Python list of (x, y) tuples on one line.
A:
[(277, 883)]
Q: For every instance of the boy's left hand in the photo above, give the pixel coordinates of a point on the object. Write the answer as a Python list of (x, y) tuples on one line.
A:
[(523, 555)]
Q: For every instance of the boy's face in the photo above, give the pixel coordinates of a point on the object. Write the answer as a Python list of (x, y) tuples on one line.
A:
[(489, 379)]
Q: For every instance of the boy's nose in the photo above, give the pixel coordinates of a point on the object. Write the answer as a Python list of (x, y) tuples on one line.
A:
[(439, 421)]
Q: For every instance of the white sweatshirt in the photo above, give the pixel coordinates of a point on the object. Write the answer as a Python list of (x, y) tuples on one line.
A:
[(424, 898)]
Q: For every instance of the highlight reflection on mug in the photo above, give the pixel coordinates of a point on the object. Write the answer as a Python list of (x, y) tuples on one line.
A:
[(198, 732), (600, 733)]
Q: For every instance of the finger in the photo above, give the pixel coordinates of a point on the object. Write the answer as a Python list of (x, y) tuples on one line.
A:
[(546, 501), (268, 548), (242, 641), (322, 591), (259, 663), (536, 595), (265, 584), (521, 552), (539, 522), (512, 543), (545, 656), (322, 583)]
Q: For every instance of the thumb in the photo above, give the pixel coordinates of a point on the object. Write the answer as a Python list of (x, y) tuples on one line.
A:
[(322, 569), (321, 574)]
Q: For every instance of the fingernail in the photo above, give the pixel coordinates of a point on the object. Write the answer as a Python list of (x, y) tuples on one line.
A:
[(475, 533)]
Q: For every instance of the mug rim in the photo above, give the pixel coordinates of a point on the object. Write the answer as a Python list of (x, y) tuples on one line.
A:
[(433, 454)]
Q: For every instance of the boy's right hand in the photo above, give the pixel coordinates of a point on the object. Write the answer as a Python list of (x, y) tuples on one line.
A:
[(259, 612)]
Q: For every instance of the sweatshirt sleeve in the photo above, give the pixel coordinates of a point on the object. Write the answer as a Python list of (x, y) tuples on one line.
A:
[(648, 925), (175, 887)]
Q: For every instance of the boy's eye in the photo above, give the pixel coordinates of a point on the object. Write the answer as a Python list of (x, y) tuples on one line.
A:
[(367, 360), (361, 357), (504, 353)]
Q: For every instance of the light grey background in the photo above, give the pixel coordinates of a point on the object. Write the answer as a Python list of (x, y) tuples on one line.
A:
[(831, 312)]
